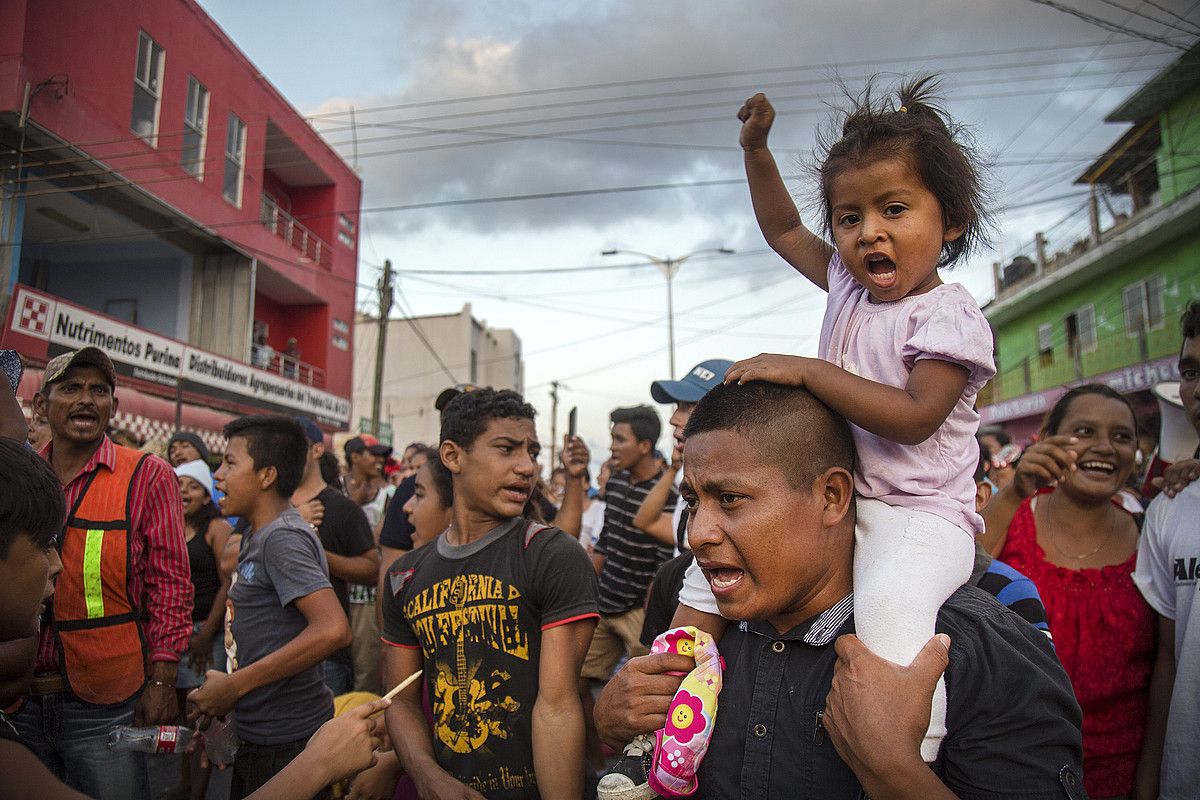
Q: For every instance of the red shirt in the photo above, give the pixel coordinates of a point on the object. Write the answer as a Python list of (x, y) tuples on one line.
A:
[(160, 581), (1104, 633)]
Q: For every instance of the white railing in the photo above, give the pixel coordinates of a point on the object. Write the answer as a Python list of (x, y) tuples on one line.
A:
[(271, 360), (285, 226)]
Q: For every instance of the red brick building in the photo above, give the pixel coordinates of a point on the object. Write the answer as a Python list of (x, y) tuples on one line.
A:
[(159, 198)]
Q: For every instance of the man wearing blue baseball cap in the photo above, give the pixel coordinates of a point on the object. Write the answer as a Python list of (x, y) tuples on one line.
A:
[(629, 774), (684, 393)]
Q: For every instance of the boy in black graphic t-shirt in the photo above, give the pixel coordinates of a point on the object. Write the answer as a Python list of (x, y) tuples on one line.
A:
[(498, 611)]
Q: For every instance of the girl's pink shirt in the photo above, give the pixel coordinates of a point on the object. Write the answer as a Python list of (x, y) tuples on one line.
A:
[(882, 342)]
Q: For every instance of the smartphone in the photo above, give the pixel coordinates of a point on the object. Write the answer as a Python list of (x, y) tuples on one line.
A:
[(571, 420)]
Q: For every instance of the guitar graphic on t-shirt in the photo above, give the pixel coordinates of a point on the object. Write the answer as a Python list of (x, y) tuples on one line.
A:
[(464, 720)]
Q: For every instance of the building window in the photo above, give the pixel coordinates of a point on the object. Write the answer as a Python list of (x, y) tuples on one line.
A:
[(1085, 319), (1155, 289), (1045, 343), (1144, 305), (345, 233), (235, 160), (147, 94), (1081, 331), (195, 128)]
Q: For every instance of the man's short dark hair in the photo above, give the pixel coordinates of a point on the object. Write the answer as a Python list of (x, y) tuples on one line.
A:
[(32, 503), (331, 473), (467, 416), (996, 431), (273, 440), (789, 427), (642, 419), (1190, 323)]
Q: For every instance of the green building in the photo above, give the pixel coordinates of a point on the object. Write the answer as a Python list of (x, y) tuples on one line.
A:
[(1105, 308)]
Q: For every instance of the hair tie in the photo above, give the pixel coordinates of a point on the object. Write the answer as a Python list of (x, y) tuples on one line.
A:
[(903, 109)]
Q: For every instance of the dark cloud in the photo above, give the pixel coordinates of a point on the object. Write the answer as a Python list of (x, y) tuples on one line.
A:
[(458, 150)]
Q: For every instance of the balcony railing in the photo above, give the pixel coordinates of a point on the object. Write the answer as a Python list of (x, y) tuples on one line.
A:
[(1075, 363), (1046, 263), (270, 360), (283, 225)]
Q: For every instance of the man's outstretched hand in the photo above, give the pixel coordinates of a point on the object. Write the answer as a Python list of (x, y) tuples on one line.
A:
[(877, 712), (637, 697), (1178, 476)]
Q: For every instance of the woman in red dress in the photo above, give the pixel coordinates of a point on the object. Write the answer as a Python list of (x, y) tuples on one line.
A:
[(1061, 524)]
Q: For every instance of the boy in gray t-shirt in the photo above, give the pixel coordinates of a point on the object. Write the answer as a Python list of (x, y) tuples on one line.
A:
[(282, 617)]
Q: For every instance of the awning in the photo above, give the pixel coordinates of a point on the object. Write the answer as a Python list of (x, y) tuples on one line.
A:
[(144, 415)]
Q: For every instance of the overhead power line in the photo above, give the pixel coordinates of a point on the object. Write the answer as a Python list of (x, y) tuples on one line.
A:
[(571, 270), (1166, 10), (1138, 13), (708, 76), (153, 232), (410, 318), (1100, 22), (479, 130), (358, 110), (491, 137), (708, 90)]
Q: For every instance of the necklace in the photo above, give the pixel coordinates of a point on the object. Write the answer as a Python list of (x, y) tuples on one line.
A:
[(1065, 554), (1054, 541)]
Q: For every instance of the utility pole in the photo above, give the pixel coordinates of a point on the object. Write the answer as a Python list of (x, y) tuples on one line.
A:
[(553, 424), (385, 309), (669, 266)]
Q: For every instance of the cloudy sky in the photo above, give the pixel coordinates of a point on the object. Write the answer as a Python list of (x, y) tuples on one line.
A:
[(511, 136)]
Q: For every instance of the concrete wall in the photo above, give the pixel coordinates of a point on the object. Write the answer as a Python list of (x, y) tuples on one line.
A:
[(1179, 156), (413, 378), (158, 278), (1017, 340)]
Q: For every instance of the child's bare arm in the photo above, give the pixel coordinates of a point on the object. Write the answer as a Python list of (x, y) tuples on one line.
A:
[(774, 209), (712, 624), (558, 728), (906, 416)]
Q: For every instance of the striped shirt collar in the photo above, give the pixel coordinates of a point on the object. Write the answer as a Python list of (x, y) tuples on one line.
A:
[(105, 456), (818, 632)]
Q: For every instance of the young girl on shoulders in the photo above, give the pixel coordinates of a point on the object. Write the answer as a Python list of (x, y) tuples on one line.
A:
[(902, 355)]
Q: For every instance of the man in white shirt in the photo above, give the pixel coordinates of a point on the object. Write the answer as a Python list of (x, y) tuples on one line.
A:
[(1168, 566)]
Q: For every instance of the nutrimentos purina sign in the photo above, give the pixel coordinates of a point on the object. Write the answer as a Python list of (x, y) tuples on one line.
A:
[(60, 326)]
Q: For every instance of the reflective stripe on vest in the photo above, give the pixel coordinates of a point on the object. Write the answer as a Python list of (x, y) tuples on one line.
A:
[(93, 591), (94, 616)]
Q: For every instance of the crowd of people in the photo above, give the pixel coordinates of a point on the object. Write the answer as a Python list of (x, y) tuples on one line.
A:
[(834, 586)]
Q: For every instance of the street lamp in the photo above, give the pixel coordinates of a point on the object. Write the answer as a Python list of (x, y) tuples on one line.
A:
[(669, 267)]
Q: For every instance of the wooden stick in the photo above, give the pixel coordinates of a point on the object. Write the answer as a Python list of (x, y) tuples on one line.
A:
[(403, 684)]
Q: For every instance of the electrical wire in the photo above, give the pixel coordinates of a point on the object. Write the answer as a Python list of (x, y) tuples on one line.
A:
[(1134, 12), (708, 76), (1109, 26), (360, 110), (411, 319), (491, 136), (1184, 20)]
